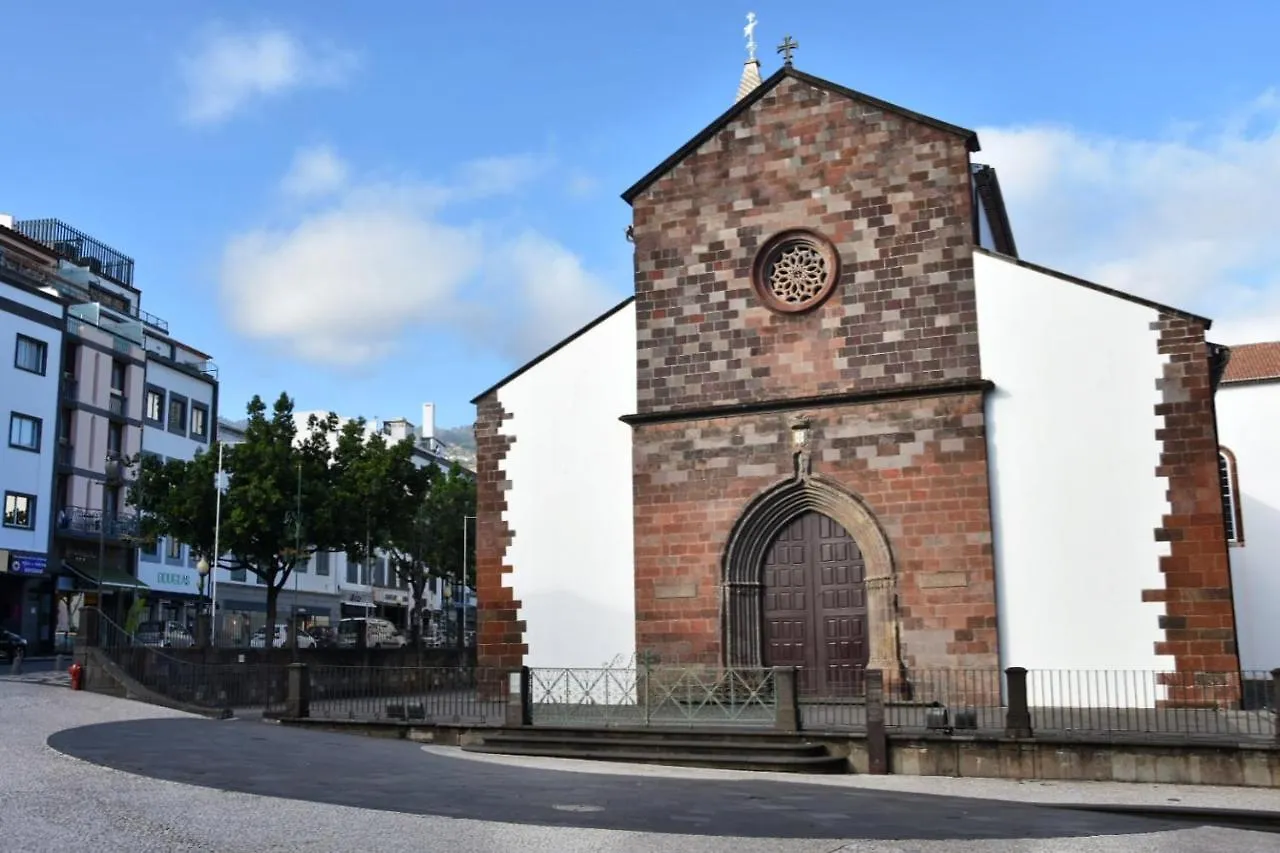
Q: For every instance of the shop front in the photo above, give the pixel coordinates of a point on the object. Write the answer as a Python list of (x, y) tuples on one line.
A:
[(173, 594), (27, 597), (357, 605), (243, 611), (393, 605)]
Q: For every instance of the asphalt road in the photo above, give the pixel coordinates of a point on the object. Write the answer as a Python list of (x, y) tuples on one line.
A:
[(390, 775)]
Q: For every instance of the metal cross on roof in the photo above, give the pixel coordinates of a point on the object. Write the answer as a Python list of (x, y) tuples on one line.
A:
[(788, 45)]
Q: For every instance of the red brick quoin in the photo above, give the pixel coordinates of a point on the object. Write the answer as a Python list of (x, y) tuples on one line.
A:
[(1199, 625), (499, 633)]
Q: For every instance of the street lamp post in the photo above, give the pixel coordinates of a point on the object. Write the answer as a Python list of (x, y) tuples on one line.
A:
[(112, 470), (202, 626)]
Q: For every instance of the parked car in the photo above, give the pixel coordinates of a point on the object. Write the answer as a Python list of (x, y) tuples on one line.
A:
[(281, 639), (382, 633), (12, 645), (324, 635), (168, 635)]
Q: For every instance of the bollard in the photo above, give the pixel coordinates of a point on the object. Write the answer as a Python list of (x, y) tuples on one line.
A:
[(1275, 700), (1017, 720), (877, 739), (787, 713), (299, 699)]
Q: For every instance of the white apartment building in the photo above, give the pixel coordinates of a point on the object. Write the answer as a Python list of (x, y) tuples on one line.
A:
[(179, 411), (31, 324)]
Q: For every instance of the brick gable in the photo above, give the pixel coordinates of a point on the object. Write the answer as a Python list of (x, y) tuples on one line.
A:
[(891, 193)]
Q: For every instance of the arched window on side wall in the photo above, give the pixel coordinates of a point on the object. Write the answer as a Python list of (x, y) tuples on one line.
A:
[(1229, 482)]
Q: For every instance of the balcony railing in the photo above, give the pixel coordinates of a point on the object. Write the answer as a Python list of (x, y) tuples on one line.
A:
[(76, 291), (79, 248), (76, 520), (118, 405), (93, 313), (66, 453), (70, 388)]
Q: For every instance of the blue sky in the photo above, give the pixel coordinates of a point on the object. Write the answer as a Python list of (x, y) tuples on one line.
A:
[(376, 205)]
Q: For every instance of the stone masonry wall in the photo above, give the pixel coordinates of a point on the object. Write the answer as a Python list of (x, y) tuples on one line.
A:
[(1199, 620), (921, 467), (499, 632), (891, 193)]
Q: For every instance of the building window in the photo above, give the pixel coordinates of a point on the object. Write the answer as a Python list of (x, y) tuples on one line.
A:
[(31, 355), (1229, 483), (24, 432), (238, 575), (19, 510), (353, 571), (154, 410), (173, 549), (322, 564), (199, 421), (115, 437), (117, 376), (177, 414), (301, 565), (150, 547)]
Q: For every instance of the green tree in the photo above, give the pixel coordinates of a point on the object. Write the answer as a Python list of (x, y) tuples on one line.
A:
[(432, 543), (279, 505)]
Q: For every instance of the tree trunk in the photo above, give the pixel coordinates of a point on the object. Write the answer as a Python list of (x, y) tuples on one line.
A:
[(269, 645), (418, 586)]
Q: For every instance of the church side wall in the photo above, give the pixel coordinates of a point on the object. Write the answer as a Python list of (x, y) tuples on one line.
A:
[(1109, 554), (566, 509), (1248, 419)]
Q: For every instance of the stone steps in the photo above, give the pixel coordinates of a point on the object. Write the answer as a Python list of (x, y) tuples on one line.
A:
[(678, 748)]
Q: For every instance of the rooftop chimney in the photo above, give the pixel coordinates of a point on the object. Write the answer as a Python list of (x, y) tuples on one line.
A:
[(6, 219), (428, 421)]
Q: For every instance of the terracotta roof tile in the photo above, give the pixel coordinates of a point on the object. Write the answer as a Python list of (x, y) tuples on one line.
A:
[(1251, 362)]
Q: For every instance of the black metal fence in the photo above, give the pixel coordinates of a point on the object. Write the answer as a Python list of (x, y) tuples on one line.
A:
[(213, 686), (462, 695)]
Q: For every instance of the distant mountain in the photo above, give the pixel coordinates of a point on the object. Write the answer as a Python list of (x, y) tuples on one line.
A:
[(463, 437)]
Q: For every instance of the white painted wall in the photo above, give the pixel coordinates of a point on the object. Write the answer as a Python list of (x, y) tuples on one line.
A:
[(30, 394), (1072, 443), (160, 571), (570, 502), (1249, 424)]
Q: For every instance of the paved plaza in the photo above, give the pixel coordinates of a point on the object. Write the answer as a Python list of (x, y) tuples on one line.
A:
[(90, 772)]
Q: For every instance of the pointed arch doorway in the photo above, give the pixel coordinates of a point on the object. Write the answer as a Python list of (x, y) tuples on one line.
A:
[(815, 605), (808, 541)]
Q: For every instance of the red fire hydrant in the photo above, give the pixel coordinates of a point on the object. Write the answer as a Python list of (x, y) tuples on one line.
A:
[(76, 671)]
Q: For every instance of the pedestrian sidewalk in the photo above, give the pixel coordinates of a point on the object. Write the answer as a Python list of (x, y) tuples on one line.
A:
[(56, 678), (1037, 791)]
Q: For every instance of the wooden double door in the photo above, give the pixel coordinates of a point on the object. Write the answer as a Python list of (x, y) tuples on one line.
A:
[(815, 606)]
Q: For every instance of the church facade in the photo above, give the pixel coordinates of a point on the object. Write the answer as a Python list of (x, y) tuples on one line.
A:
[(842, 425)]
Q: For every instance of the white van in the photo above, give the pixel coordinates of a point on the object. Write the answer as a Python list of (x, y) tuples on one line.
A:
[(382, 633)]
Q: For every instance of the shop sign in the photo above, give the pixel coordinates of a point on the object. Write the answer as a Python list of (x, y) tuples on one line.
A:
[(27, 564), (389, 596), (168, 578)]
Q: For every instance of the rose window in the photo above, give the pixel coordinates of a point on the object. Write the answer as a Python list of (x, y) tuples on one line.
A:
[(795, 271)]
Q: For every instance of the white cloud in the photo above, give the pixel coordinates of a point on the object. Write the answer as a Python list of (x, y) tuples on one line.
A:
[(315, 172), (1186, 219), (228, 69), (342, 286)]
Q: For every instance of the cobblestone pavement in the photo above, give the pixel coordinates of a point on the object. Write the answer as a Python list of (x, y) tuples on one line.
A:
[(269, 788)]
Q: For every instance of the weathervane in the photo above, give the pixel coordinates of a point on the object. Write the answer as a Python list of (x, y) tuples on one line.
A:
[(750, 32), (788, 45)]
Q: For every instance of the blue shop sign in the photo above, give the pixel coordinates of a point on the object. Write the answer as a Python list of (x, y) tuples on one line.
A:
[(22, 564)]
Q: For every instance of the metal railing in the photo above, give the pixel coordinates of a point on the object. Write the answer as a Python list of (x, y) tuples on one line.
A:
[(117, 403), (78, 247), (653, 695), (215, 686), (463, 695), (89, 522), (1185, 705)]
